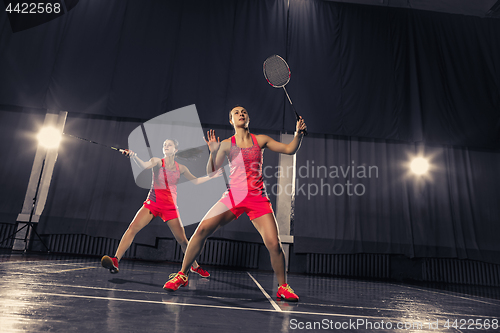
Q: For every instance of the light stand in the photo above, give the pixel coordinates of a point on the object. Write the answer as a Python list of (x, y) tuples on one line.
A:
[(29, 225), (49, 138)]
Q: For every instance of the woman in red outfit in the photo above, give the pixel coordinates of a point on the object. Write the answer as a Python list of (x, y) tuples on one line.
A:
[(161, 201), (246, 194)]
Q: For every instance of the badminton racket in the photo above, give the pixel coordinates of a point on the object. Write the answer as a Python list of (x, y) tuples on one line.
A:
[(277, 74), (97, 143)]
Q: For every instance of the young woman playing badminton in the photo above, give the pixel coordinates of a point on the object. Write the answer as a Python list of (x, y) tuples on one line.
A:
[(161, 201), (246, 194)]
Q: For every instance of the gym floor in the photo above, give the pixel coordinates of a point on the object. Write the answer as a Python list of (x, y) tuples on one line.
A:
[(40, 293)]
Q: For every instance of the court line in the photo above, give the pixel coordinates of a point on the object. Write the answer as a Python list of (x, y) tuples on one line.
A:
[(76, 263), (273, 303), (302, 303), (213, 306), (44, 265), (237, 308), (97, 288), (72, 269)]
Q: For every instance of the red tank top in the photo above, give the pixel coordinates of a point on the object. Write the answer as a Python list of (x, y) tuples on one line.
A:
[(246, 168), (164, 192)]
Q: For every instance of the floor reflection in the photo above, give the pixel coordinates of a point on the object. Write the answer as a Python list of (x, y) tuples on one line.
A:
[(68, 294)]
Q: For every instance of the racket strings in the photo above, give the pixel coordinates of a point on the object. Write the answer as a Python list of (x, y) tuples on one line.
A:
[(276, 71)]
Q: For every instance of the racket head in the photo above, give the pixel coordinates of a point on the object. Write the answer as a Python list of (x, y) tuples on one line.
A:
[(276, 71)]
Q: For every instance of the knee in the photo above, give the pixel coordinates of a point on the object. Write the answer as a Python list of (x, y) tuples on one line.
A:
[(202, 232), (203, 229), (274, 246), (183, 243), (180, 238)]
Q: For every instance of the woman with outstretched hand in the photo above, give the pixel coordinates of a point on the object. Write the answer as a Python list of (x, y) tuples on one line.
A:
[(246, 194), (161, 201)]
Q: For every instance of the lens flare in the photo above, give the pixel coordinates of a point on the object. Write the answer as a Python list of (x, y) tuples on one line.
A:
[(49, 137), (419, 165)]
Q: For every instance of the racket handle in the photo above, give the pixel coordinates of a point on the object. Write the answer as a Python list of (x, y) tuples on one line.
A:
[(124, 150), (298, 118), (296, 114), (118, 149)]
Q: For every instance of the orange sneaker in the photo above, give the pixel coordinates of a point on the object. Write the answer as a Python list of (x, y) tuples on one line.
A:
[(287, 293), (110, 263), (200, 271), (176, 280)]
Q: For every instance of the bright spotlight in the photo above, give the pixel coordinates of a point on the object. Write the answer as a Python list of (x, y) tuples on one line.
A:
[(419, 165), (49, 137)]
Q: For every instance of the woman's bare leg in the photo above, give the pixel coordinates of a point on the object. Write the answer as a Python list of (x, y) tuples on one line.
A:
[(218, 216), (267, 227), (141, 219), (179, 233)]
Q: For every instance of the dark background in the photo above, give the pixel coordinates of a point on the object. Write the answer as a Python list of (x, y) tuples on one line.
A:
[(376, 86)]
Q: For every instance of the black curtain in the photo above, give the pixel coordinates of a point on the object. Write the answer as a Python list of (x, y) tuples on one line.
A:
[(358, 196), (372, 83), (395, 73), (143, 58), (357, 70)]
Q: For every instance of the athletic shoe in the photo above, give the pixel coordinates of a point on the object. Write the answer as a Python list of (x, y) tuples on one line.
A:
[(110, 263), (176, 280), (287, 293), (200, 271)]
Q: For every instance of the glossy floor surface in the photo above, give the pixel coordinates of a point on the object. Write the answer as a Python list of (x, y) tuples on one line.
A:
[(41, 293)]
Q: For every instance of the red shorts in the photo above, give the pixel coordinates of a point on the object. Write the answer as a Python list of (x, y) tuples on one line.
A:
[(165, 212), (255, 205)]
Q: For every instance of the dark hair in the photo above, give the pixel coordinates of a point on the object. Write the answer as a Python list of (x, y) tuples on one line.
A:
[(191, 153), (236, 106)]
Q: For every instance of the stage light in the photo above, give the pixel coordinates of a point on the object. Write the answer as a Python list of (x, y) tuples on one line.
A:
[(419, 165), (49, 137)]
